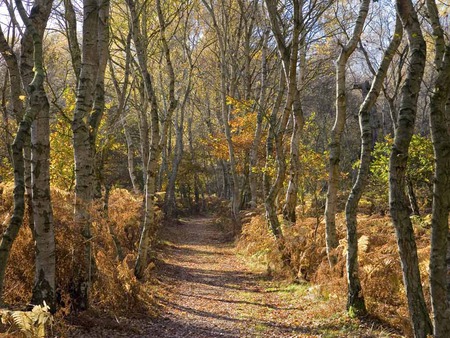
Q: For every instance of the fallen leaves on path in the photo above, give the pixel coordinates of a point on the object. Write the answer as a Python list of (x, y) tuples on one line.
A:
[(206, 290)]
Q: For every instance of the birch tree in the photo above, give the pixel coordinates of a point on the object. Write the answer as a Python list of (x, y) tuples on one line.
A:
[(398, 200), (149, 225), (440, 131), (355, 299), (289, 58), (225, 90), (37, 117), (337, 130), (20, 140), (86, 120), (169, 200)]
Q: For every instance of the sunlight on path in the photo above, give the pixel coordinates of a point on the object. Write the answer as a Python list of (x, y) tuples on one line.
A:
[(209, 292), (212, 294)]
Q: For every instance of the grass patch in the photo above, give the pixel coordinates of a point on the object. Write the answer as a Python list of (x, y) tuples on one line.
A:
[(290, 288)]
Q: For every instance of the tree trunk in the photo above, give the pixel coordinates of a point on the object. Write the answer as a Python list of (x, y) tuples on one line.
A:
[(144, 132), (271, 212), (16, 221), (130, 157), (99, 99), (397, 170), (440, 132), (149, 224), (226, 113), (169, 199), (86, 120), (122, 94), (294, 169), (336, 133), (38, 110), (27, 75), (18, 145), (289, 212), (253, 175), (72, 39), (412, 197), (355, 298), (192, 159), (289, 58)]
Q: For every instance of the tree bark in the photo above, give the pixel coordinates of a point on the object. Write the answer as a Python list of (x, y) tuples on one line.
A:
[(355, 297), (440, 132), (170, 201), (122, 93), (336, 133), (149, 224), (289, 213), (18, 163), (72, 39), (397, 170), (86, 120), (259, 119), (289, 58), (99, 99), (38, 111), (271, 212)]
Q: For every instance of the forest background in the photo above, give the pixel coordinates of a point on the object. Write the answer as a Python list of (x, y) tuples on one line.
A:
[(320, 117)]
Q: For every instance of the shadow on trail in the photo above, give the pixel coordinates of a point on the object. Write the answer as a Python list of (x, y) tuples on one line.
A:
[(287, 329), (263, 305), (166, 327), (247, 321), (208, 288), (221, 279)]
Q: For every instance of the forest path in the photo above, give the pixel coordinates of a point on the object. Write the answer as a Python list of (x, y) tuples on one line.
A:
[(209, 292), (205, 290)]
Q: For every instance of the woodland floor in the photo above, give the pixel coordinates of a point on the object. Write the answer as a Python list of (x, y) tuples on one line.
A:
[(207, 290)]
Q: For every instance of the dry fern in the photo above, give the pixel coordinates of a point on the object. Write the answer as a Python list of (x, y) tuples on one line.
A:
[(30, 323)]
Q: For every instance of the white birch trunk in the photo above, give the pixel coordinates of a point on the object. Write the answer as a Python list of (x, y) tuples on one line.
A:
[(336, 133)]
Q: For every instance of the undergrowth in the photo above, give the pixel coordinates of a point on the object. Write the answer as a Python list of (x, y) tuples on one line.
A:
[(115, 290), (380, 269)]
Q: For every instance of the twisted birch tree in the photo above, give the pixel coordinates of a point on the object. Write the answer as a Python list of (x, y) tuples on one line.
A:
[(355, 298), (336, 133), (398, 201)]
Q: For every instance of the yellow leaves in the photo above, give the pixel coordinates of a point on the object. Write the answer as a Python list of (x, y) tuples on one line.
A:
[(61, 158), (217, 145), (239, 105), (22, 98), (242, 126), (70, 98)]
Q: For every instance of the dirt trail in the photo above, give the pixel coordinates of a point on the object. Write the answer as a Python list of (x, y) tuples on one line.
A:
[(207, 291), (212, 293)]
